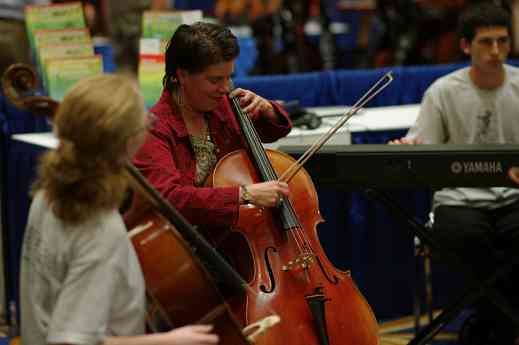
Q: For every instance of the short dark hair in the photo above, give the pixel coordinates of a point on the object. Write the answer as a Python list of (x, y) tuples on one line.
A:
[(195, 47), (484, 14)]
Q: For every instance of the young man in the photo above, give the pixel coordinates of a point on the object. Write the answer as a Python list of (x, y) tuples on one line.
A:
[(477, 105)]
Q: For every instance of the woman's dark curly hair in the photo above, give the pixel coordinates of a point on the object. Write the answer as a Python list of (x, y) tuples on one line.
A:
[(195, 47)]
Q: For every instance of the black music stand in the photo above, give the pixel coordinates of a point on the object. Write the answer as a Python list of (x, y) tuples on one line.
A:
[(477, 288)]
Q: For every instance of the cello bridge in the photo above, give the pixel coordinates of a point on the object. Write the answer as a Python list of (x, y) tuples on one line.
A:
[(303, 262)]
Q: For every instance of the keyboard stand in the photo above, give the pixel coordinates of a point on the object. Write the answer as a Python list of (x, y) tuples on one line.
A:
[(476, 289)]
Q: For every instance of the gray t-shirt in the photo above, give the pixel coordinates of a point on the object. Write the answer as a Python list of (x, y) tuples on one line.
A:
[(80, 283), (455, 111)]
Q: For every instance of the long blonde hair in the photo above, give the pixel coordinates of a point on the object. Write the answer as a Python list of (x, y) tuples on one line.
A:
[(85, 174)]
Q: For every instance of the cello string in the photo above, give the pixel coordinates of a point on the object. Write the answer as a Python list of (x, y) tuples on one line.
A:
[(265, 166), (295, 230)]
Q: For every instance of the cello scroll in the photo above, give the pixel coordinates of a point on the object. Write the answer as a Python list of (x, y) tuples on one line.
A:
[(19, 84)]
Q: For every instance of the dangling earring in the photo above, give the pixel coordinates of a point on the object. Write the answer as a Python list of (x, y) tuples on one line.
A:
[(176, 92)]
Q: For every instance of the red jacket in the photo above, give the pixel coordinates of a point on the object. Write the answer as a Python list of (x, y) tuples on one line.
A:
[(167, 160)]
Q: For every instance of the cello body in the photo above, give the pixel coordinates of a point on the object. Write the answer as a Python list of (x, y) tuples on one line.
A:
[(177, 282), (317, 303)]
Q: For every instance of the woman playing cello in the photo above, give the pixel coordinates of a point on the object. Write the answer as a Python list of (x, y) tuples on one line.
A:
[(273, 242), (196, 127), (80, 279)]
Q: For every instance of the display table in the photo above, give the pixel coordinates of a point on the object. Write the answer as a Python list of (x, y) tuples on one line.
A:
[(376, 119)]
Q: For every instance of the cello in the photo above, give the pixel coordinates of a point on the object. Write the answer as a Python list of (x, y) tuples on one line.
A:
[(156, 232), (287, 267)]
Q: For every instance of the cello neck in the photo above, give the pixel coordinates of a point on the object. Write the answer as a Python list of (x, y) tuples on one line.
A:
[(253, 140), (263, 165)]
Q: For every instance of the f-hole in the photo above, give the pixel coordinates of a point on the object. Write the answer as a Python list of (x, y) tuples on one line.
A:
[(263, 288)]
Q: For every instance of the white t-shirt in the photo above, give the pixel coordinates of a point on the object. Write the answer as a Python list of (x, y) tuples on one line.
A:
[(455, 111), (80, 283)]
